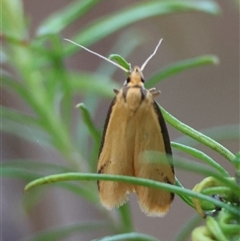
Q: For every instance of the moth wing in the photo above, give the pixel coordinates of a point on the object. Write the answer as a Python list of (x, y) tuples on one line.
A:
[(150, 161), (114, 157)]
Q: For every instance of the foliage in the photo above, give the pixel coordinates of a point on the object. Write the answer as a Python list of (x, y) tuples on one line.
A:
[(38, 75)]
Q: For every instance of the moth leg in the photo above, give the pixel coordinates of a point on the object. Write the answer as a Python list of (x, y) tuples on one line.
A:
[(116, 91), (154, 92)]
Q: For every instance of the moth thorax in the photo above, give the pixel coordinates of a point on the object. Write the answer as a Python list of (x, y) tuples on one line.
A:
[(133, 98)]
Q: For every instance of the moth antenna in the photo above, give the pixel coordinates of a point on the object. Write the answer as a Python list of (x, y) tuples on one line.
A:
[(119, 66), (154, 52)]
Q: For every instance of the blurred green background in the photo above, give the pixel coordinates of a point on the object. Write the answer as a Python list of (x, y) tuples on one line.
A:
[(44, 78)]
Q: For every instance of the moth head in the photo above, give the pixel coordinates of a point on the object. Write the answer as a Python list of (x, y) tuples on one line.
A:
[(135, 77)]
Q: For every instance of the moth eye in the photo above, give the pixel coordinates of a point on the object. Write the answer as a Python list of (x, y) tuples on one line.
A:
[(126, 81), (142, 80)]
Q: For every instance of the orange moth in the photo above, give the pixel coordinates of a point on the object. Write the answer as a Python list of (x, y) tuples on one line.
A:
[(136, 143)]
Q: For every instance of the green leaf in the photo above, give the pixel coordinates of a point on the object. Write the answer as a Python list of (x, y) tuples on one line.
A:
[(136, 181), (185, 232), (126, 219), (229, 224), (89, 123), (12, 18), (207, 141), (26, 132), (62, 232), (134, 40), (236, 161), (105, 26), (217, 190), (11, 84), (97, 84), (214, 228), (189, 165), (217, 133), (185, 198), (60, 20), (40, 167), (179, 67), (200, 155), (18, 117), (128, 237), (13, 172), (120, 60), (23, 172)]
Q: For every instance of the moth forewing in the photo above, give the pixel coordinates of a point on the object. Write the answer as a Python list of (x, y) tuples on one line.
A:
[(149, 139), (113, 156), (153, 165)]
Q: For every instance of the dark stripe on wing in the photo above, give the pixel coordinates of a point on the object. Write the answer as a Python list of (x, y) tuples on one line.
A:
[(106, 125), (166, 139)]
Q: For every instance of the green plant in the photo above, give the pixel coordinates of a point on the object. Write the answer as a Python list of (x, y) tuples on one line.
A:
[(38, 76)]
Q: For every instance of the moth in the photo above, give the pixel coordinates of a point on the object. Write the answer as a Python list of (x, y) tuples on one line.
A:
[(135, 142)]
